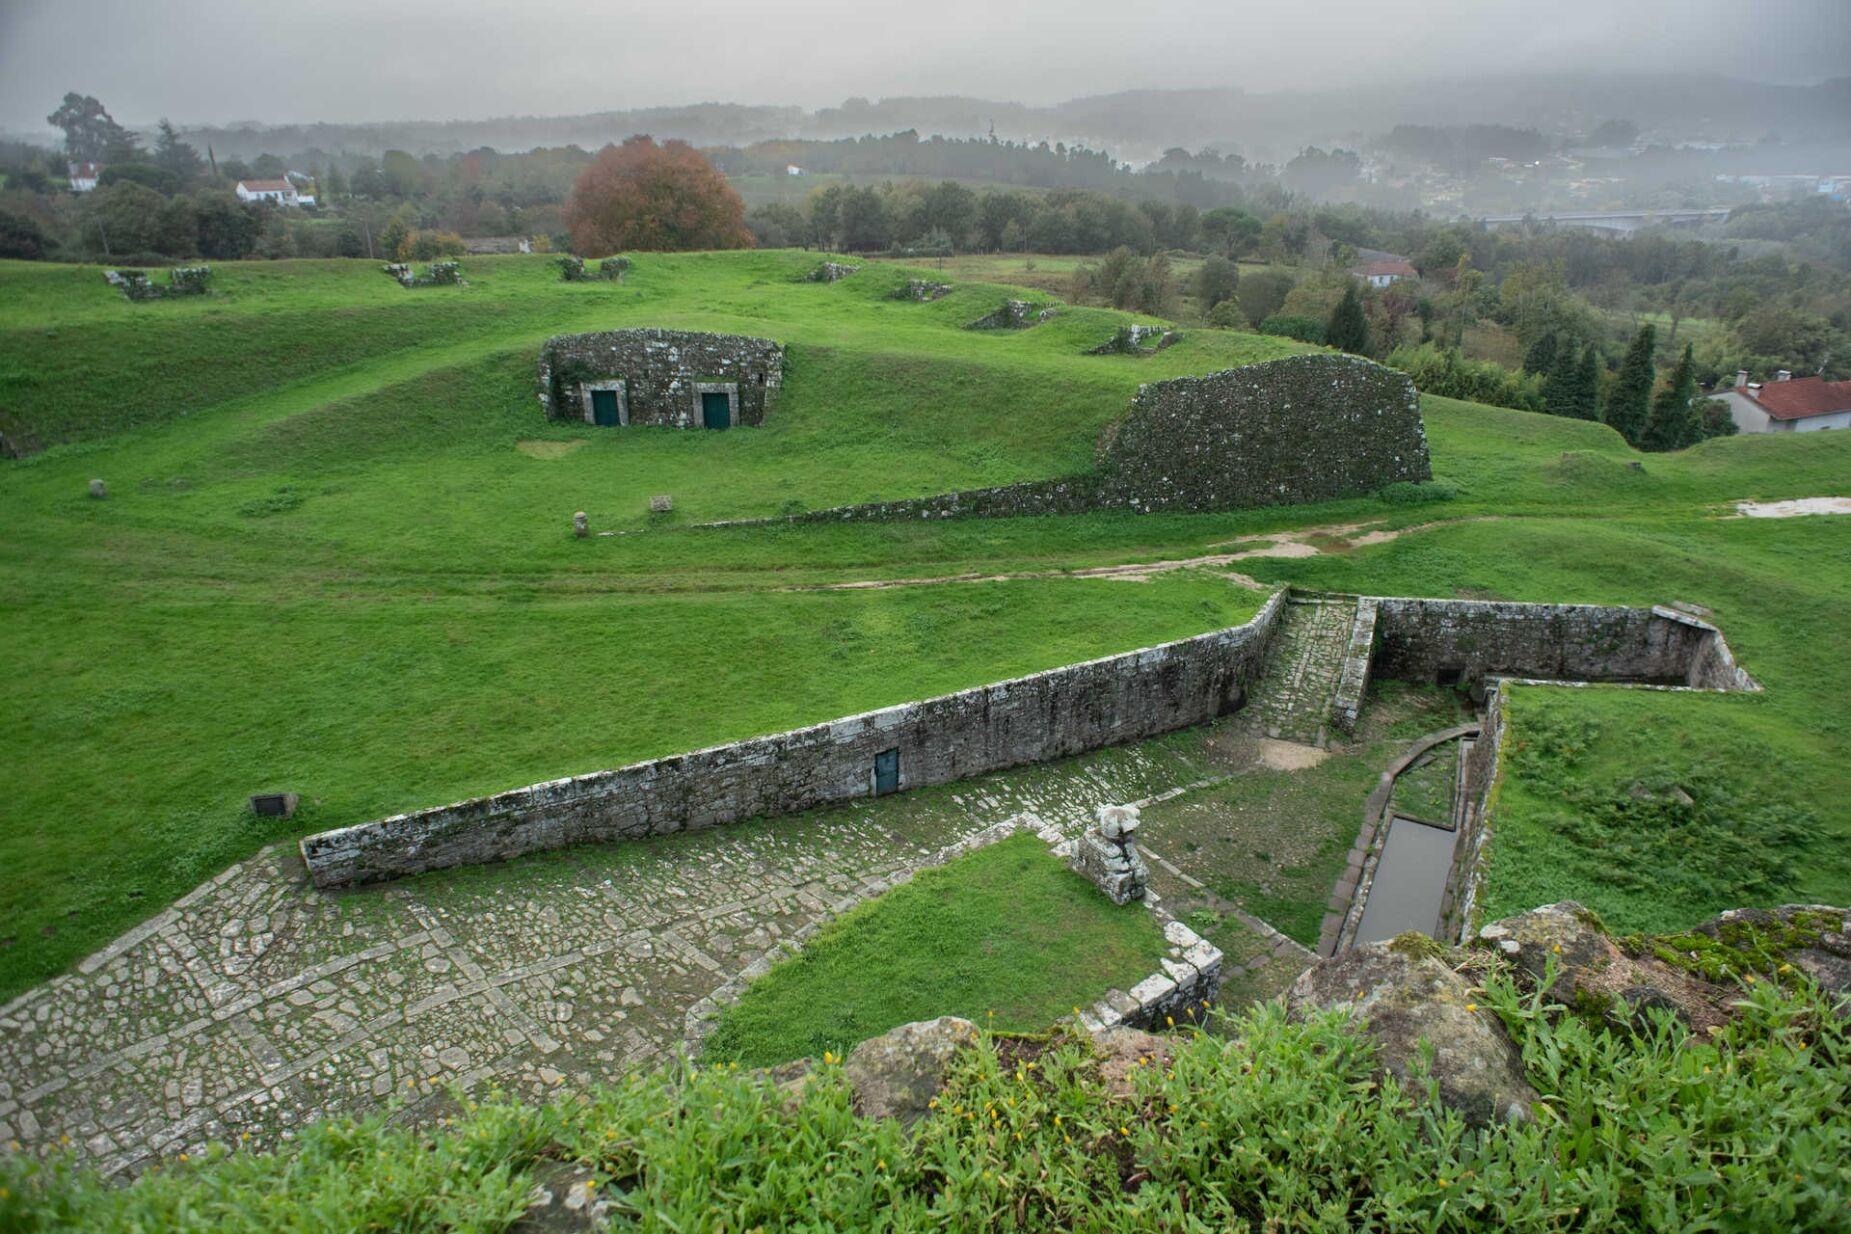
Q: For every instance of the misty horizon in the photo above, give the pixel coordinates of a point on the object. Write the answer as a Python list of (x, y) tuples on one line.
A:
[(349, 63)]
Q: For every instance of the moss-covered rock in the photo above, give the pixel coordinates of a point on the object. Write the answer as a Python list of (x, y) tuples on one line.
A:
[(1566, 947), (1406, 997)]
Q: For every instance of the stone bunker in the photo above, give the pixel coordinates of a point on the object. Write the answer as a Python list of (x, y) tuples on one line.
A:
[(673, 378)]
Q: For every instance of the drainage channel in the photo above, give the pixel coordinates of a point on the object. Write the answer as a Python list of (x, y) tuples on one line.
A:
[(1410, 881), (1397, 872)]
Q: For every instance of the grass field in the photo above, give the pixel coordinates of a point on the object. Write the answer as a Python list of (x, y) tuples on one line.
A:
[(1007, 937), (335, 556)]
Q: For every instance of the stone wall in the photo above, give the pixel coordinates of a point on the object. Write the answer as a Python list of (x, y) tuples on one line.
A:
[(1048, 715), (660, 374), (1353, 681), (1179, 992), (1481, 777), (1305, 428), (1464, 642), (1502, 645)]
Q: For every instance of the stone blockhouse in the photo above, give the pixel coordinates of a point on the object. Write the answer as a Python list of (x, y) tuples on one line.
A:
[(675, 378)]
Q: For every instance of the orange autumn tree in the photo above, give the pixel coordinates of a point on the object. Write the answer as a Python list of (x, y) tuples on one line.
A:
[(643, 196)]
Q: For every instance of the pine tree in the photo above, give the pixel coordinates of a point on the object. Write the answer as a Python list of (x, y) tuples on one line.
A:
[(177, 156), (1587, 386), (1540, 358), (1676, 421), (1348, 329), (1560, 381), (1629, 402)]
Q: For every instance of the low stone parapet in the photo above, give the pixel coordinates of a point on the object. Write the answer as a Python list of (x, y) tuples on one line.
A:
[(1185, 985)]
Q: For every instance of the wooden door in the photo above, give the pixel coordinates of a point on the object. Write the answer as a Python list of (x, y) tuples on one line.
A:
[(716, 409), (604, 407)]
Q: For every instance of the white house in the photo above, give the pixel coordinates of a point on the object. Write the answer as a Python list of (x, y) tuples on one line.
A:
[(276, 192), (1382, 273), (1784, 405), (83, 176), (791, 169)]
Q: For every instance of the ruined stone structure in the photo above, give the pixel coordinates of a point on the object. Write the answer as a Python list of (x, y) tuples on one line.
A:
[(1304, 428), (830, 272), (573, 270), (676, 378), (181, 281), (1013, 315), (1047, 715), (921, 290), (436, 274), (1107, 855), (1137, 341)]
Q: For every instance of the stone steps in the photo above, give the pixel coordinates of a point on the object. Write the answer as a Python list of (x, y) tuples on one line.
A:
[(1295, 696)]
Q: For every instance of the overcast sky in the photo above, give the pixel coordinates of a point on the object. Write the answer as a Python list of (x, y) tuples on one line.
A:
[(209, 61)]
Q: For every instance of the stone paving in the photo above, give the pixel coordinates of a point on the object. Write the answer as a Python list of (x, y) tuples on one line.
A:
[(1297, 690), (256, 1004)]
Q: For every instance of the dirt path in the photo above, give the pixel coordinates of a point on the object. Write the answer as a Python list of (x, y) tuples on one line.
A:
[(1794, 508), (1300, 542)]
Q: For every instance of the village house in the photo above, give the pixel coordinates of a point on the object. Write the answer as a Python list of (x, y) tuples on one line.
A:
[(83, 176), (276, 192), (1382, 273), (1787, 404)]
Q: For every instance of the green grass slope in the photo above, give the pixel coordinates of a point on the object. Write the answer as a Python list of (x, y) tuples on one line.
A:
[(347, 571), (1007, 937)]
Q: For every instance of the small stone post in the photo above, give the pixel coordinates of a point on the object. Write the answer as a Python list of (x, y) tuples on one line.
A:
[(1108, 855), (581, 524), (98, 489)]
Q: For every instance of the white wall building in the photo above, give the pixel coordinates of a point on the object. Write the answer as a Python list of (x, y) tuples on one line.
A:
[(276, 192), (1382, 273), (83, 176), (1786, 405)]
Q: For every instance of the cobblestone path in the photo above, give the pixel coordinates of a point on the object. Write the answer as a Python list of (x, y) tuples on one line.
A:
[(256, 1004), (1292, 699)]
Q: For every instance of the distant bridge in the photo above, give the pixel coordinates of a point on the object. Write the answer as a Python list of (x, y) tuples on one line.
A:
[(1617, 222)]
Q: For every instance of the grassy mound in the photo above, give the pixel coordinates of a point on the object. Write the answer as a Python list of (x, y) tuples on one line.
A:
[(1271, 1126), (1007, 937)]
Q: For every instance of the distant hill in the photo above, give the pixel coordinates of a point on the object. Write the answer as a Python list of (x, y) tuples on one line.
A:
[(1138, 125)]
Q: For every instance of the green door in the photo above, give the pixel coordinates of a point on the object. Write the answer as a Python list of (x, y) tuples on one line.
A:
[(604, 407), (716, 410)]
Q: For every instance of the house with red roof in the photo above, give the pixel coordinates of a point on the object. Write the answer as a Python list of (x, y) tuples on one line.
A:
[(1382, 273), (1788, 404), (277, 192)]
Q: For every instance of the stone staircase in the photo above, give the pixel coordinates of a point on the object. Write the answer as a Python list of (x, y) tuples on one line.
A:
[(1294, 697)]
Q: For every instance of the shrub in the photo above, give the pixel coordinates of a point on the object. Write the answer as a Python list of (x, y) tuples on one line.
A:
[(1447, 373), (1304, 329), (1274, 1124), (1228, 316)]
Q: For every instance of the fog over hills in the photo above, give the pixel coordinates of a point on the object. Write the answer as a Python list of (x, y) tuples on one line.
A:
[(1137, 125)]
